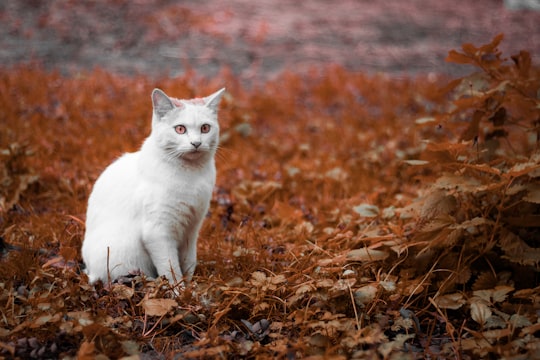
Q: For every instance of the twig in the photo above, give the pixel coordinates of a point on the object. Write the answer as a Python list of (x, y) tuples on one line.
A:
[(109, 281)]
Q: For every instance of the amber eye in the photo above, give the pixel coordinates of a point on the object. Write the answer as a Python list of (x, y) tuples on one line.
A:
[(205, 128), (180, 129)]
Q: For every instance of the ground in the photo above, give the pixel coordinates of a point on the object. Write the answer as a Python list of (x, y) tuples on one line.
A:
[(370, 202)]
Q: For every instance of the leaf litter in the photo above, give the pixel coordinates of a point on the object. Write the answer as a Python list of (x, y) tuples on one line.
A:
[(354, 216)]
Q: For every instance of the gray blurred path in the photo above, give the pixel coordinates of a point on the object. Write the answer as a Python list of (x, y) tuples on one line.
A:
[(257, 39)]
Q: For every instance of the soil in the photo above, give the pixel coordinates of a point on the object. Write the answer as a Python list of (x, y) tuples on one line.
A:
[(256, 40)]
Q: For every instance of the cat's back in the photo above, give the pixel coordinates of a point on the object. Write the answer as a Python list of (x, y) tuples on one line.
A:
[(119, 171), (115, 186)]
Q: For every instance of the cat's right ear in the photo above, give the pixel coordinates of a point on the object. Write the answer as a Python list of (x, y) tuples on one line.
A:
[(161, 103)]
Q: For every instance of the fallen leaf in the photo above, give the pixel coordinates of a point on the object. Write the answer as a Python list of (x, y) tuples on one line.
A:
[(158, 307), (366, 210), (122, 291), (480, 312), (533, 193), (365, 254), (365, 294), (450, 301), (86, 351)]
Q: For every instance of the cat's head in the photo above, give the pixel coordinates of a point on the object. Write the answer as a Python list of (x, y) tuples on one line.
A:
[(186, 129)]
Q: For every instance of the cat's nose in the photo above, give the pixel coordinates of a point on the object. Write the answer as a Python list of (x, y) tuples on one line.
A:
[(196, 144)]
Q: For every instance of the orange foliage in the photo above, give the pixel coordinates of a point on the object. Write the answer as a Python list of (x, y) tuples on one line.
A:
[(353, 216)]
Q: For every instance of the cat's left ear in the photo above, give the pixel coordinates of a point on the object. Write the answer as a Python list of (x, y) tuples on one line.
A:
[(212, 101), (161, 102)]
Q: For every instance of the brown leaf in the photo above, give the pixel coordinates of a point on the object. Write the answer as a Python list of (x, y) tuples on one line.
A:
[(365, 254), (450, 301), (473, 130), (499, 117), (416, 162), (486, 280), (459, 58), (523, 63), (470, 49), (518, 251), (122, 291), (523, 168), (258, 278), (480, 312), (496, 295), (365, 294), (158, 307), (93, 330), (12, 198), (437, 204), (86, 351), (490, 47), (475, 222), (462, 183), (367, 210)]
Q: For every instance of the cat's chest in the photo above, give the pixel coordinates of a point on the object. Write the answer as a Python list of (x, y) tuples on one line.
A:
[(193, 194), (175, 196)]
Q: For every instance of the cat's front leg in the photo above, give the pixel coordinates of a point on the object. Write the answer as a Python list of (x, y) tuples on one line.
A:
[(163, 251), (188, 248), (188, 256)]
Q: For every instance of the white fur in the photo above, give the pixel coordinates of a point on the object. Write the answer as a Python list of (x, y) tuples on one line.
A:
[(147, 207)]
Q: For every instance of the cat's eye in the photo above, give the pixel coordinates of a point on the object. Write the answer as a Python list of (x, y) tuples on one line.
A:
[(205, 128), (180, 129)]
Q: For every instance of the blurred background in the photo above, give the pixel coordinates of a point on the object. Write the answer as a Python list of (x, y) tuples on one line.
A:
[(258, 39)]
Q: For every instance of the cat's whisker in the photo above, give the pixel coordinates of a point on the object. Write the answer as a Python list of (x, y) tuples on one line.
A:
[(173, 154), (221, 157), (223, 152), (223, 149)]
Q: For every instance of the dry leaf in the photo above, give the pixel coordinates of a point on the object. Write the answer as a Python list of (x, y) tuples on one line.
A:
[(416, 162), (304, 288), (122, 291), (366, 210), (86, 351), (438, 204), (521, 169), (258, 278), (278, 279), (158, 307), (480, 312), (386, 348), (365, 294), (533, 193), (475, 222), (462, 183), (425, 120), (365, 254), (450, 301), (496, 295), (519, 321)]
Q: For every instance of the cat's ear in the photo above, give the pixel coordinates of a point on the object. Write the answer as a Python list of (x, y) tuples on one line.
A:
[(161, 102), (212, 101)]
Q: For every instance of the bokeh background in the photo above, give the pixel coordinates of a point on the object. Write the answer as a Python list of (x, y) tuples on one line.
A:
[(259, 39)]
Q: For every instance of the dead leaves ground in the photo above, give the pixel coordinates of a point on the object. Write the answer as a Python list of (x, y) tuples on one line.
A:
[(354, 216)]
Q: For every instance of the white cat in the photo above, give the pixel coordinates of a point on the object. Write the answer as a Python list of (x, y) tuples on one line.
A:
[(147, 207)]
